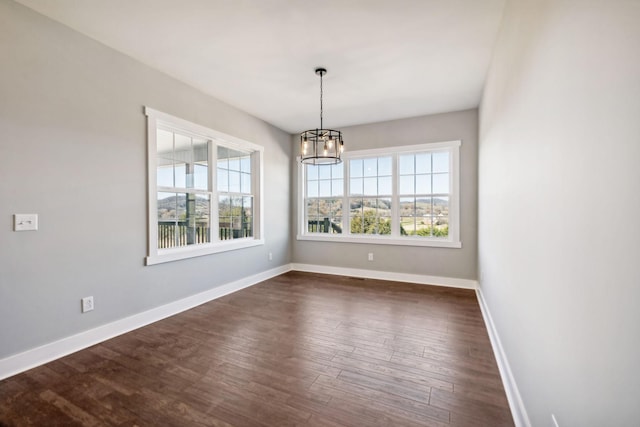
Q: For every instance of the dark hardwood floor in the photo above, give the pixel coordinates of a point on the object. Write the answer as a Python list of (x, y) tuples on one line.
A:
[(299, 349)]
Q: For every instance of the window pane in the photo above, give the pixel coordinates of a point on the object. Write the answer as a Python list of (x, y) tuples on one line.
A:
[(164, 176), (383, 223), (167, 206), (312, 172), (324, 171), (356, 186), (440, 183), (225, 218), (312, 207), (182, 145), (355, 168), (164, 143), (337, 171), (180, 175), (370, 216), (234, 181), (385, 186), (337, 187), (183, 219), (356, 222), (245, 164), (406, 164), (441, 206), (407, 184), (407, 216), (223, 157), (423, 163), (384, 166), (423, 184), (441, 162), (199, 223), (324, 216), (234, 164), (245, 183), (312, 188), (325, 188), (223, 180), (370, 186), (247, 217), (200, 176), (199, 169), (371, 167), (423, 206)]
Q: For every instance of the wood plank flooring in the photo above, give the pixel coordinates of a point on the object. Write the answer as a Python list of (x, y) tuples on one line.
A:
[(300, 349)]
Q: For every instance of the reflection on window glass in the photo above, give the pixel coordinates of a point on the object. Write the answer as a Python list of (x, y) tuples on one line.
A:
[(182, 161)]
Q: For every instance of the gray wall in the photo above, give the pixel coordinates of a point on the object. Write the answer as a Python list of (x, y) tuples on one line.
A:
[(559, 204), (73, 150), (445, 262)]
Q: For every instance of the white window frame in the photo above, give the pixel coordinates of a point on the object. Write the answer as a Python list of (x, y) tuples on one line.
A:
[(451, 241), (156, 256)]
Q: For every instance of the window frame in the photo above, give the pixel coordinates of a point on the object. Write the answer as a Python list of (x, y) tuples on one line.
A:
[(451, 241), (155, 255)]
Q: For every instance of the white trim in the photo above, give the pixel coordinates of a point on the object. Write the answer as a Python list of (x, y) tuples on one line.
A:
[(176, 254), (387, 275), (379, 240), (401, 149), (518, 410), (21, 362)]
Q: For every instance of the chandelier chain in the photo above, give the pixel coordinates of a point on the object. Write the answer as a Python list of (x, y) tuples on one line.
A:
[(321, 96)]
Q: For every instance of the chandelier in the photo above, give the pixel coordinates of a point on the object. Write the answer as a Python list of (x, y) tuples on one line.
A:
[(321, 146)]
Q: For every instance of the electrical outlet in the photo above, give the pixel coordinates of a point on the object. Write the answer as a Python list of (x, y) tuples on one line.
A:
[(87, 304), (270, 256), (25, 222), (370, 258)]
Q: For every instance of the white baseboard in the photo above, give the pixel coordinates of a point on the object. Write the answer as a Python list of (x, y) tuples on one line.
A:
[(21, 362), (388, 275), (518, 411)]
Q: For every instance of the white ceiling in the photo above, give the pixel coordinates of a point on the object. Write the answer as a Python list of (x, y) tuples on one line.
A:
[(386, 59)]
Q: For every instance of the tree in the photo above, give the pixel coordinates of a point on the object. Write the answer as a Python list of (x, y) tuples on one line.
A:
[(368, 223)]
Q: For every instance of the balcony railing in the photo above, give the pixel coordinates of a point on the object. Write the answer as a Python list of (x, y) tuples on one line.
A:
[(324, 226), (173, 234)]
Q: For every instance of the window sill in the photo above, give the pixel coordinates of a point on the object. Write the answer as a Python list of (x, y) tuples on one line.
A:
[(168, 255), (382, 240)]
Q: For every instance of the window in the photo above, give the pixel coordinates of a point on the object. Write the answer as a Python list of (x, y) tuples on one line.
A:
[(195, 209), (402, 196), (324, 189), (235, 199)]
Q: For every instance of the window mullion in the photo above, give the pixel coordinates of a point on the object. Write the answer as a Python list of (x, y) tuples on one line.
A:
[(214, 235), (395, 199), (346, 207)]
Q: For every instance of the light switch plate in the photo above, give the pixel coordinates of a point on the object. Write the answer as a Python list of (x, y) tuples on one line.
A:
[(25, 222)]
